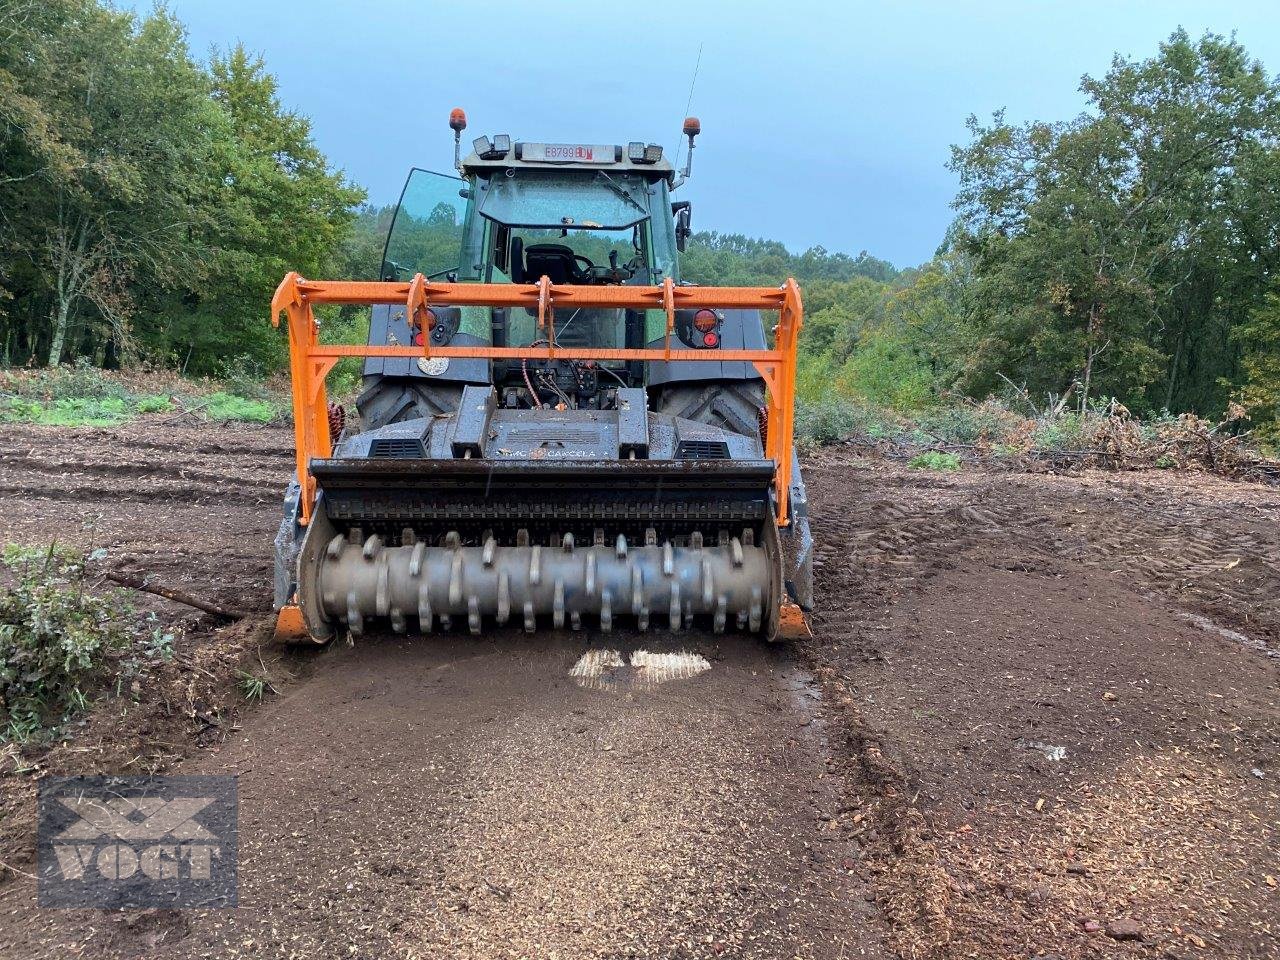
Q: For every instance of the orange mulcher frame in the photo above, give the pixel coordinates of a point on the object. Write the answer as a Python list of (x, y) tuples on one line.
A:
[(310, 361)]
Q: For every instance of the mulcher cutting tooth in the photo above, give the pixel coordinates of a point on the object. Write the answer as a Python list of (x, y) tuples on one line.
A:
[(426, 618), (455, 580), (557, 606)]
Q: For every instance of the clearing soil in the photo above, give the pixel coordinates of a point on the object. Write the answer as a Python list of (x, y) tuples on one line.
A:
[(1038, 717), (1064, 690)]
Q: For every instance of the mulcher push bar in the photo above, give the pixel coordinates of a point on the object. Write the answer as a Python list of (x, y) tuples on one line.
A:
[(311, 361)]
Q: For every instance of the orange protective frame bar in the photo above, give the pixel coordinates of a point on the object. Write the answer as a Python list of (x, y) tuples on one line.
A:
[(310, 361)]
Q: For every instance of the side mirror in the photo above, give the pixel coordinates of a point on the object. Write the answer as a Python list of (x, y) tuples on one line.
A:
[(683, 210)]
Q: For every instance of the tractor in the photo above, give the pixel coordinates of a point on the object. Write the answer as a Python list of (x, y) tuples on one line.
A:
[(555, 429)]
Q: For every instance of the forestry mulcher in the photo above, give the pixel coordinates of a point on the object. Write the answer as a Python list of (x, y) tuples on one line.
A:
[(555, 430)]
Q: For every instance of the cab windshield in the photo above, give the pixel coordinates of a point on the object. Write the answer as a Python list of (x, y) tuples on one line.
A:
[(581, 228), (572, 229), (567, 256), (551, 200)]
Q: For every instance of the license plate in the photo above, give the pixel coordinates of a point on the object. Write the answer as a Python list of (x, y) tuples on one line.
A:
[(568, 152)]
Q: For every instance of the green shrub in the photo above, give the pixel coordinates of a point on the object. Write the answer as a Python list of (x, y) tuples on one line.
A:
[(55, 638), (81, 382), (59, 643), (838, 419), (966, 423), (934, 460), (157, 403), (84, 381), (244, 376), (1065, 432), (885, 370)]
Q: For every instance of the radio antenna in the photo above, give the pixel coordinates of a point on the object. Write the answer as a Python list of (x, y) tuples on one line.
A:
[(689, 103)]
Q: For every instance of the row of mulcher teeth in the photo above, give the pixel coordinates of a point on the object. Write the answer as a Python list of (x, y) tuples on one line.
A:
[(362, 577)]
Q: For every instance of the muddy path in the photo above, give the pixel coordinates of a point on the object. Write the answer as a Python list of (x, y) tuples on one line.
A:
[(445, 798), (1040, 716)]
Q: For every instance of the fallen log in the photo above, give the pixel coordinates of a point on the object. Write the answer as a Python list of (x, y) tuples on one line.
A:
[(169, 593)]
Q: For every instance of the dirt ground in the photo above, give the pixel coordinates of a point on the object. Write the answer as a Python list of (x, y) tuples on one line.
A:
[(1038, 718)]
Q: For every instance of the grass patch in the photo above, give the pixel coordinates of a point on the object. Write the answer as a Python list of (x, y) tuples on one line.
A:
[(80, 411), (252, 686), (934, 460), (224, 407), (84, 396)]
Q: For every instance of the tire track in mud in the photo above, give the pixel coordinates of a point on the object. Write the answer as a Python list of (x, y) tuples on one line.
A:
[(177, 492), (189, 512), (183, 473), (453, 797), (467, 798), (1157, 537), (263, 443)]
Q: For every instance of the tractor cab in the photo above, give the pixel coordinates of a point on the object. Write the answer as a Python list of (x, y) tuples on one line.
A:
[(514, 216), (580, 214)]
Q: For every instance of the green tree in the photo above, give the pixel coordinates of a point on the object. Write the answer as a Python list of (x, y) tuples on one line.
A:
[(934, 314), (1261, 392), (280, 208), (148, 205), (885, 369), (1109, 251), (122, 120), (731, 259)]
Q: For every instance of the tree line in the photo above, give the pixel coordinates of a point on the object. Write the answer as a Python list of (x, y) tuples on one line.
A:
[(1129, 253), (150, 202)]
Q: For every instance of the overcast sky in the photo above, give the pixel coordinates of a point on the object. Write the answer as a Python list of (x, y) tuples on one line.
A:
[(823, 122)]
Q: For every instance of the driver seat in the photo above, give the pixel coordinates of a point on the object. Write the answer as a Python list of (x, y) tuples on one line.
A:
[(552, 260)]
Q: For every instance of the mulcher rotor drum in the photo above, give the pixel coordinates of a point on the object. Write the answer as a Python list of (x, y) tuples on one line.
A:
[(431, 543)]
